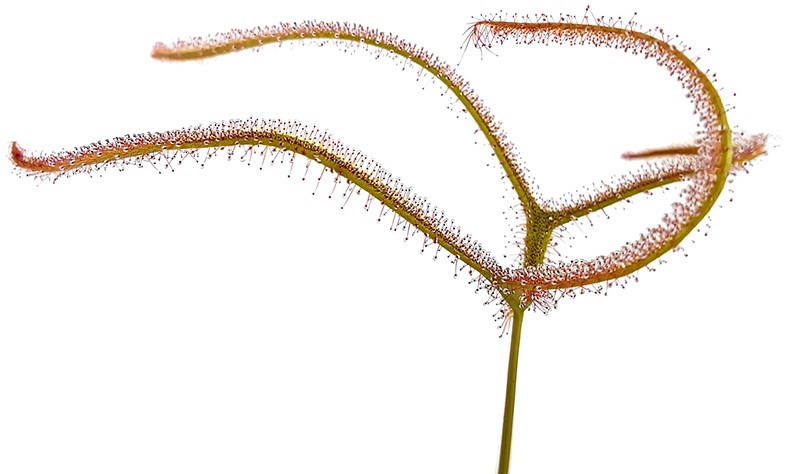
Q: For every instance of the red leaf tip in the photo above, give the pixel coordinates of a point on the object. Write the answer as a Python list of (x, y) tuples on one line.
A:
[(17, 155)]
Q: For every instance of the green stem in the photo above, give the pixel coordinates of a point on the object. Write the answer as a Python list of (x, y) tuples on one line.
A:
[(508, 415)]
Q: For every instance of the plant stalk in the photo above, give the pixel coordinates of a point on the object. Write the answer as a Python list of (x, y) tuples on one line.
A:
[(508, 414)]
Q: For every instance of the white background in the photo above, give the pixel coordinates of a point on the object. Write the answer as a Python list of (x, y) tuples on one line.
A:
[(226, 320)]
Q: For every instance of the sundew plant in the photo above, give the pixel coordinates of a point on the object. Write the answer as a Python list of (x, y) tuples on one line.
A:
[(537, 271)]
